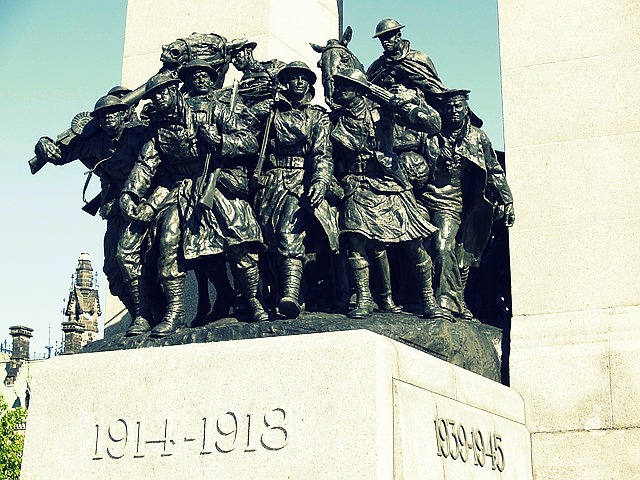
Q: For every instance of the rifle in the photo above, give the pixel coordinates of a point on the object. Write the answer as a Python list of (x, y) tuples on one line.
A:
[(206, 189), (93, 206), (257, 172)]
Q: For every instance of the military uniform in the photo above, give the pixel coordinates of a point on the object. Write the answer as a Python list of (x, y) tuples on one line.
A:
[(299, 161), (410, 68), (185, 230), (111, 159), (378, 206), (299, 156), (461, 173)]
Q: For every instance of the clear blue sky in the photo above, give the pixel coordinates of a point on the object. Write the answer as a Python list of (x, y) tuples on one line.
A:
[(57, 58)]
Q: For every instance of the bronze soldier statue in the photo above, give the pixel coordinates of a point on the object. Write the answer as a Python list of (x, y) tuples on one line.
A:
[(200, 79), (400, 64), (297, 173), (463, 188), (259, 79), (108, 146), (378, 207), (203, 214)]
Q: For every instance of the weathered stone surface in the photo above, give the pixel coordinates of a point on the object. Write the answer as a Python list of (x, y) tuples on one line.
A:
[(470, 345), (342, 405)]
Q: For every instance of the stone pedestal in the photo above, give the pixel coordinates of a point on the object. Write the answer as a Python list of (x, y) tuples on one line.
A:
[(569, 76), (346, 405)]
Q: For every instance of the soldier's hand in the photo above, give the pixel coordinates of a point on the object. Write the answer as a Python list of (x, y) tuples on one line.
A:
[(402, 96), (316, 193), (128, 207), (209, 134), (106, 210), (145, 213), (509, 215), (46, 148)]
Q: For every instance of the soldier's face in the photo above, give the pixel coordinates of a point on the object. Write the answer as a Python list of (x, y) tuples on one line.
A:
[(391, 41), (241, 59), (297, 85), (112, 121), (165, 99), (456, 110), (200, 82), (345, 93)]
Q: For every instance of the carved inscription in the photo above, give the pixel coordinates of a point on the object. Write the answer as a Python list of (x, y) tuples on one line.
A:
[(455, 441), (225, 433)]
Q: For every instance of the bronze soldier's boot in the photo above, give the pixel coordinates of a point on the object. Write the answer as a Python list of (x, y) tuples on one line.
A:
[(380, 269), (364, 302), (289, 304), (174, 292), (140, 295), (465, 313), (247, 282), (430, 307)]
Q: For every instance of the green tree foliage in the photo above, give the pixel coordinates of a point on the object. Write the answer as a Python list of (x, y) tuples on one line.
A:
[(11, 443)]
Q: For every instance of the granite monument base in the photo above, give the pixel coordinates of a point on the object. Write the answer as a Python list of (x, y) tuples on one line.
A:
[(341, 405)]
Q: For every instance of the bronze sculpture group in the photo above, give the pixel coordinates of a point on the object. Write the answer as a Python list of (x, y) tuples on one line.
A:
[(288, 197)]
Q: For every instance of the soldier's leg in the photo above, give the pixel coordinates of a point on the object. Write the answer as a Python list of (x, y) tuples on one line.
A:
[(244, 266), (291, 233), (382, 277), (129, 258), (420, 259), (446, 274), (171, 272), (111, 269), (356, 251), (465, 313), (213, 268)]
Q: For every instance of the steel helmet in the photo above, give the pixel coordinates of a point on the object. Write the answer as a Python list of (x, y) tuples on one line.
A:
[(386, 25)]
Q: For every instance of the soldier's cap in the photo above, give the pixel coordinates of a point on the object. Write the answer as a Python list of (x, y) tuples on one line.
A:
[(386, 25), (158, 81), (454, 92), (119, 91), (297, 67), (352, 75), (108, 102), (197, 64), (234, 46)]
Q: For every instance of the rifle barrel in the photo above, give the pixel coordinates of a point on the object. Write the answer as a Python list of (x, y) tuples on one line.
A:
[(135, 96)]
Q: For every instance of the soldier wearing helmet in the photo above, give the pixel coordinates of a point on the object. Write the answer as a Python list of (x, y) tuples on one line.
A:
[(298, 171), (187, 231), (121, 91), (108, 146), (199, 79), (400, 64), (378, 206)]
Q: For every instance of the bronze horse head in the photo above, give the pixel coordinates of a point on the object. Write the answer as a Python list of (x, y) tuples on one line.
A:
[(335, 57)]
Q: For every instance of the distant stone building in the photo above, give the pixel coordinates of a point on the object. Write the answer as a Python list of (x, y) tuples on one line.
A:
[(83, 307), (16, 368)]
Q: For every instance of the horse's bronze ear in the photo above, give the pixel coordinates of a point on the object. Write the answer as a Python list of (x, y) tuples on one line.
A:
[(346, 36), (317, 47)]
